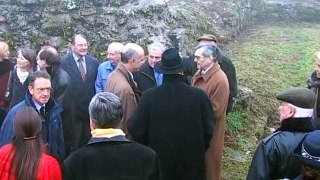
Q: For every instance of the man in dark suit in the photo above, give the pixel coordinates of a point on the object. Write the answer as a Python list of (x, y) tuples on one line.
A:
[(147, 77), (82, 70), (176, 120), (109, 154)]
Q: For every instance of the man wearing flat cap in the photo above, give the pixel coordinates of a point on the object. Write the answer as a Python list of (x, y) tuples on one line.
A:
[(175, 120), (226, 66), (273, 158)]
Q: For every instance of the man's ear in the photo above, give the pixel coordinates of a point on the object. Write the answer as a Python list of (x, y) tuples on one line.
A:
[(292, 111), (131, 61), (31, 90), (71, 46), (92, 124)]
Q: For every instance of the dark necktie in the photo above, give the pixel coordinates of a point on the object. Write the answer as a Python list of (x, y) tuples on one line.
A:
[(43, 112), (81, 69)]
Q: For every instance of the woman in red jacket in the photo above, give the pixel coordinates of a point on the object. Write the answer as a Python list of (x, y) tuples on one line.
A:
[(24, 158)]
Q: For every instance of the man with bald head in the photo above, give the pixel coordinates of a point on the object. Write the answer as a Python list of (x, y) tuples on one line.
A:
[(121, 83), (82, 70), (113, 58)]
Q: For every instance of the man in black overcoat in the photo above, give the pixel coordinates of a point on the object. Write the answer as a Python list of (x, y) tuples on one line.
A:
[(109, 154), (175, 120)]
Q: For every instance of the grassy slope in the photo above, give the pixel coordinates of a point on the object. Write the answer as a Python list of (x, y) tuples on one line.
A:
[(268, 59)]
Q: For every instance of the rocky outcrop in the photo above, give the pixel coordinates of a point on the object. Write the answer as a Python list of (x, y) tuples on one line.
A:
[(32, 22), (301, 10), (175, 22)]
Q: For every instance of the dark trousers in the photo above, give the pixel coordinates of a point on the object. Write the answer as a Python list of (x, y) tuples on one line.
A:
[(82, 131)]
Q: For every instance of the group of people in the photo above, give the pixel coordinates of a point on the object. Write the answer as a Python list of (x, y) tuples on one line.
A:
[(131, 117), (293, 150), (138, 117)]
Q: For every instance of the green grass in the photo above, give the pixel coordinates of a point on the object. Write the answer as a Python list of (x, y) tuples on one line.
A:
[(268, 58)]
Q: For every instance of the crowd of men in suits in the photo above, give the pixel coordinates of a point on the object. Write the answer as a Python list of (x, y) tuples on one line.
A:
[(151, 117), (87, 108)]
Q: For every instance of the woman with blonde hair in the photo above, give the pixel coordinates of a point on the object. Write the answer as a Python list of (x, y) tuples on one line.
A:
[(24, 158), (26, 63), (5, 71)]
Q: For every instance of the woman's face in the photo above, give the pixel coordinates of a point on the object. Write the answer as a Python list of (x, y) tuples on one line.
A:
[(22, 62)]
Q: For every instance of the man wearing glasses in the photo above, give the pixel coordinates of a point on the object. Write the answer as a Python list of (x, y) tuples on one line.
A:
[(147, 77), (105, 68), (38, 96)]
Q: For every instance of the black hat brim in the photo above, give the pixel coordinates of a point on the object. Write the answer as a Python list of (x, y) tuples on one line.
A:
[(160, 69), (309, 162)]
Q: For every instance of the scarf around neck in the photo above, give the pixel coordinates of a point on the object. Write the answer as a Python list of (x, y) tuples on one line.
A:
[(109, 133)]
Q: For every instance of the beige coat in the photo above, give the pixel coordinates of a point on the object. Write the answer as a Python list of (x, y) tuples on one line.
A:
[(215, 83), (119, 83)]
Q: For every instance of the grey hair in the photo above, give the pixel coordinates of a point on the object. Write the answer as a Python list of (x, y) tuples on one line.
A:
[(105, 110), (209, 51), (128, 54), (129, 51), (157, 46)]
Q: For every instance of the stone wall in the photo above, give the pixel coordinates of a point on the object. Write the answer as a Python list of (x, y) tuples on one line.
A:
[(174, 22), (301, 10), (32, 22)]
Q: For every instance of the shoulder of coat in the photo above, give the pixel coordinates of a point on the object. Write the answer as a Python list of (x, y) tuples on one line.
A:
[(271, 136)]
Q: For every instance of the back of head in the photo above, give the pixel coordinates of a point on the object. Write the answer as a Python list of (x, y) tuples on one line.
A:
[(27, 144), (105, 110), (51, 55), (131, 50), (27, 123)]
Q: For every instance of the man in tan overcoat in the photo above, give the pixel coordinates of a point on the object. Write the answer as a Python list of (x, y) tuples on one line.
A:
[(214, 82), (121, 83)]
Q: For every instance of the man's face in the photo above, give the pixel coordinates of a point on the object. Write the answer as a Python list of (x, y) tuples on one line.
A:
[(40, 90), (80, 46), (42, 63), (113, 56), (318, 68), (154, 57), (285, 111), (137, 62), (202, 62)]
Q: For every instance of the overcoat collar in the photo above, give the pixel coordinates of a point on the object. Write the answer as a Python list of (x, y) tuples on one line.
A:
[(296, 125), (95, 140), (208, 74)]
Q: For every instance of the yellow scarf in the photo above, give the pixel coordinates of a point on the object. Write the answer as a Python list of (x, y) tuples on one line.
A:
[(110, 132)]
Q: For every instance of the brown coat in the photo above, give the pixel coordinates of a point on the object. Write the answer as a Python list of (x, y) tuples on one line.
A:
[(215, 84), (119, 83)]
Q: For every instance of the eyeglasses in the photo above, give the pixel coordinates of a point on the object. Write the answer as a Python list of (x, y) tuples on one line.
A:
[(41, 90)]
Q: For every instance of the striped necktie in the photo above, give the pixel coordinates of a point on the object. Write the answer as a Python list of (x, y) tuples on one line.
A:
[(81, 69)]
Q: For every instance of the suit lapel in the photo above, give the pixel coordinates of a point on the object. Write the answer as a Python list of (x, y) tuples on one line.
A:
[(74, 67)]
